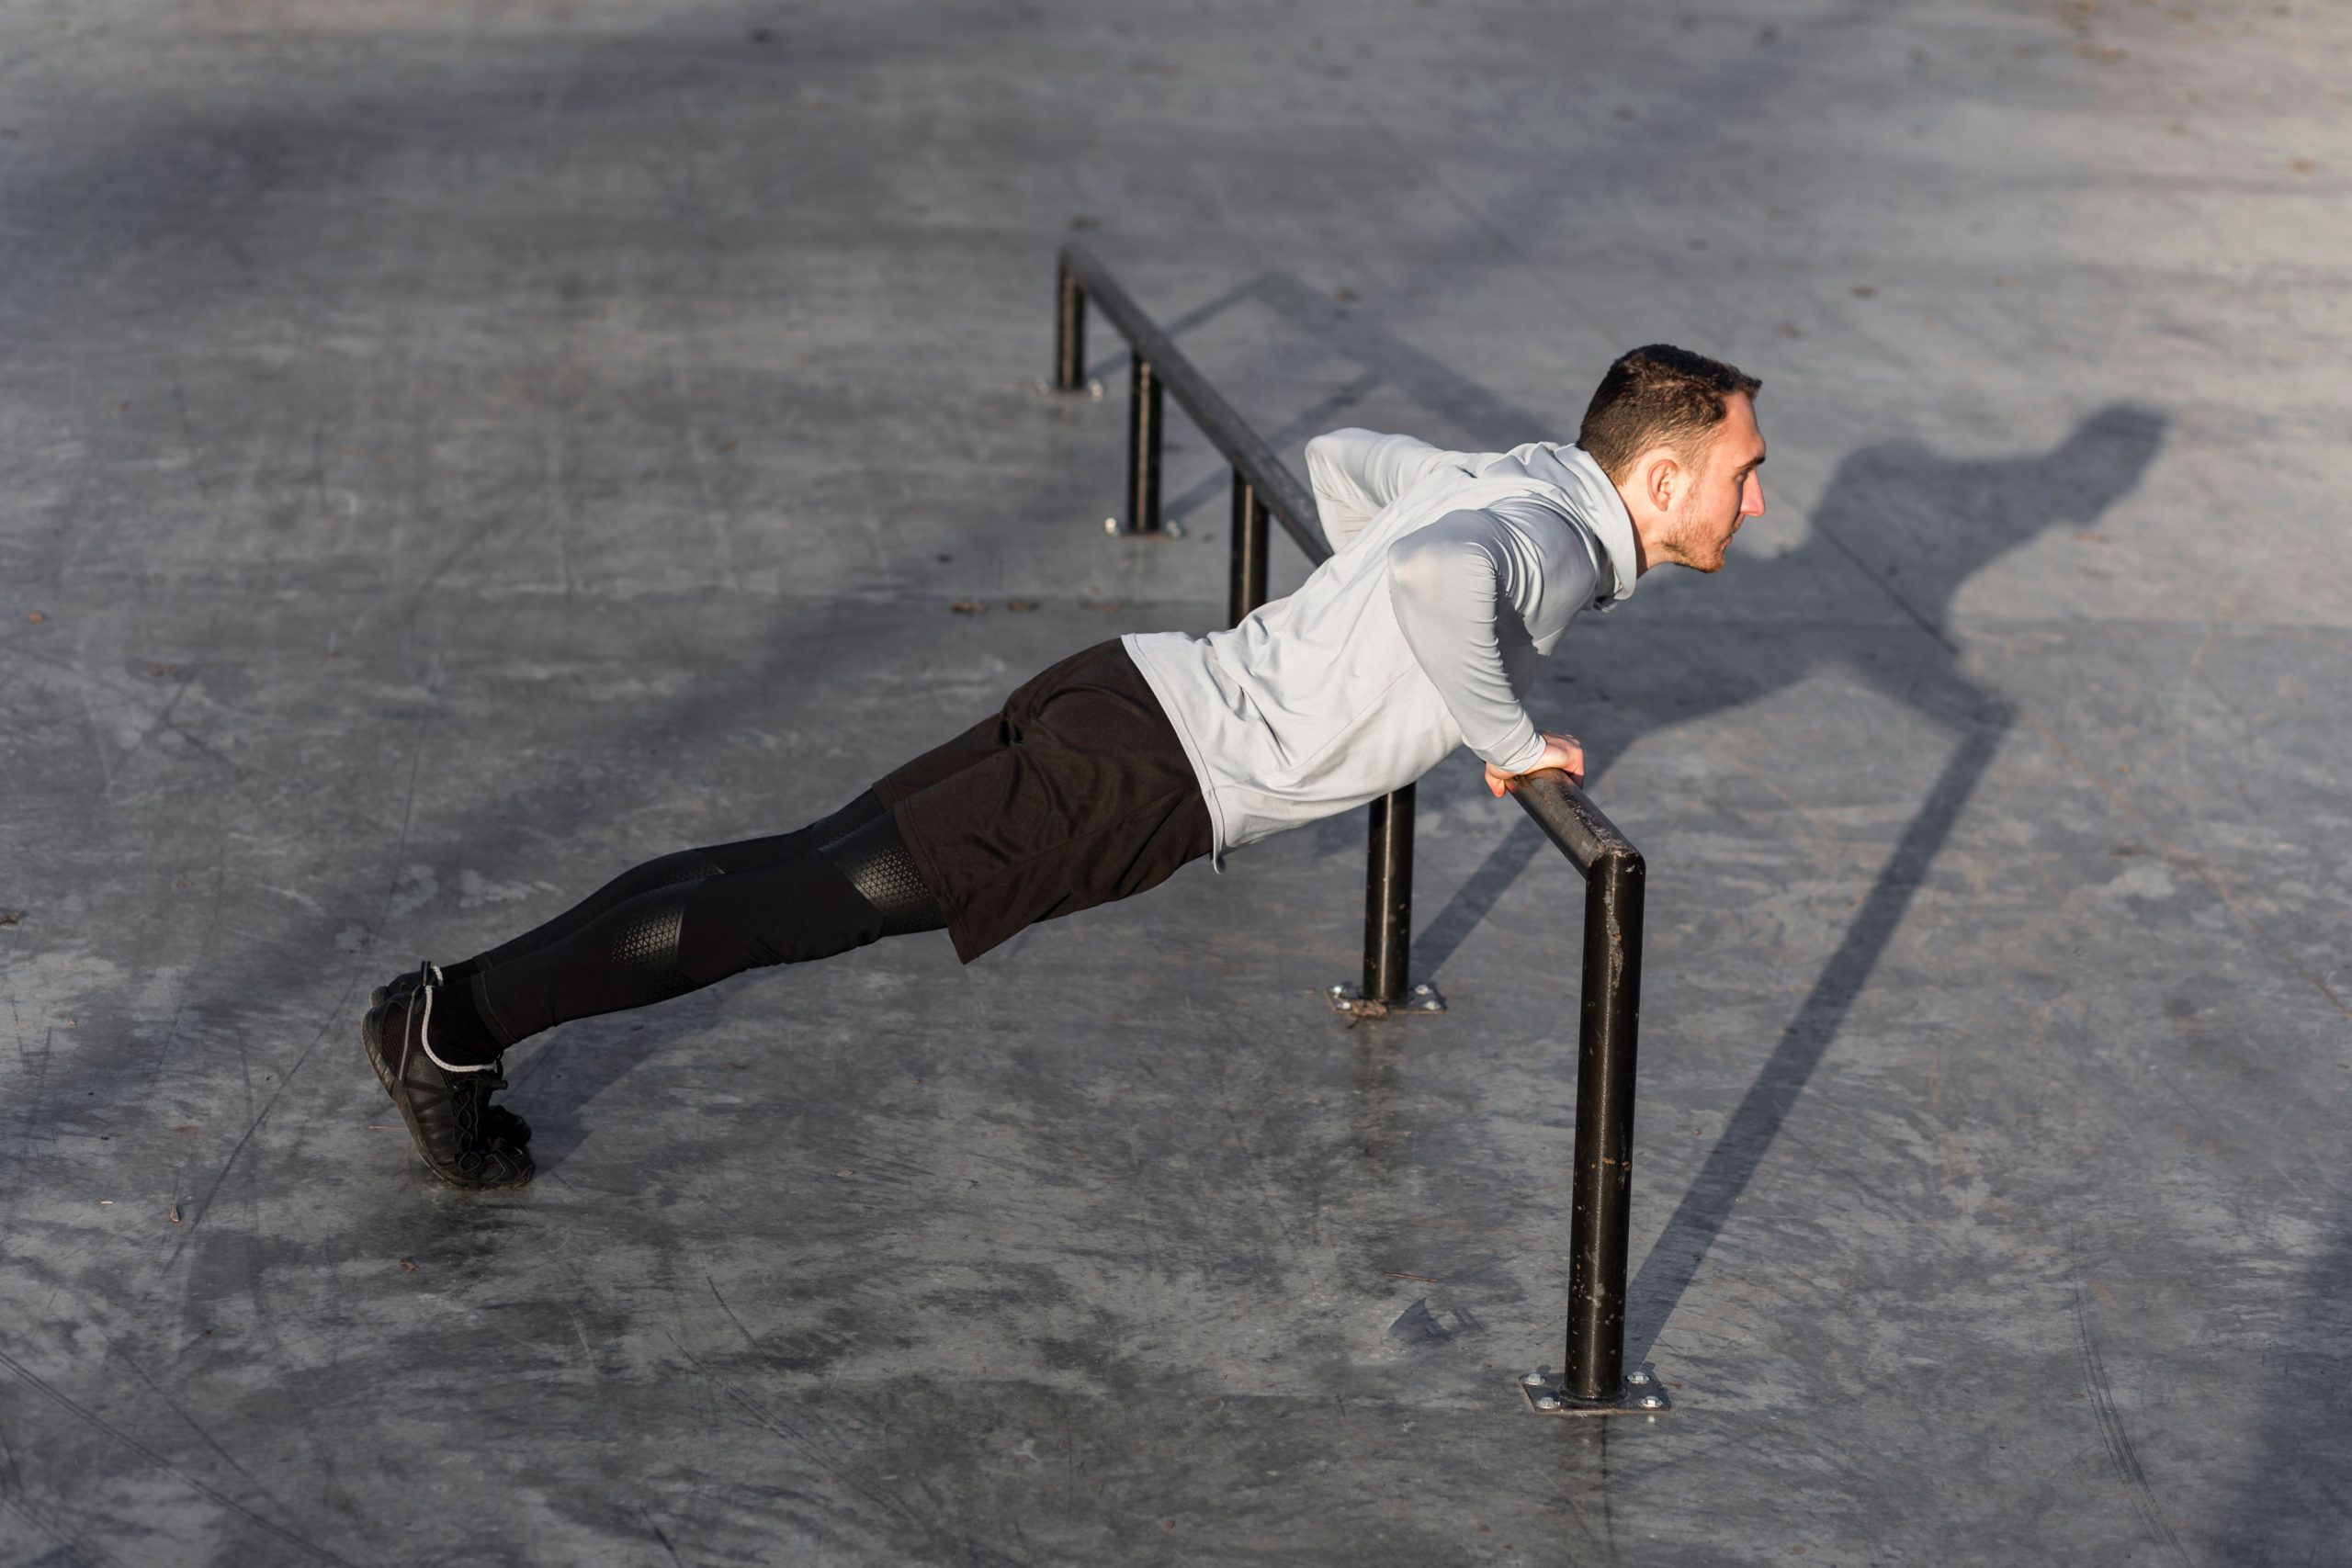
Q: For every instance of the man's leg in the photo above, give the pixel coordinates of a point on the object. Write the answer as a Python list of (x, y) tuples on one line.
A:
[(683, 866), (687, 865), (652, 934), (850, 890), (1076, 792), (747, 855)]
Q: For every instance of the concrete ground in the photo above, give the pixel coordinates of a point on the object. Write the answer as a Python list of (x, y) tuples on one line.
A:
[(451, 451)]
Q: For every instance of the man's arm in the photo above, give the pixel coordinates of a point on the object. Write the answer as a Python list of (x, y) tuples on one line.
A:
[(1357, 472), (1449, 584)]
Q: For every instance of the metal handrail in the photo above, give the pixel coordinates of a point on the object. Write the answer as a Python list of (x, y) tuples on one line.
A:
[(1594, 1380), (1082, 277)]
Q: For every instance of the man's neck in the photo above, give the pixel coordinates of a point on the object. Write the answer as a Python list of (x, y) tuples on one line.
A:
[(1647, 553)]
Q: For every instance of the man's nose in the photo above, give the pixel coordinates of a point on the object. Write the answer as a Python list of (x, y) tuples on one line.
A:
[(1751, 501)]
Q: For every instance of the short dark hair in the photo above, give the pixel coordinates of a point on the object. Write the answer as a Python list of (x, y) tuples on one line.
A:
[(1657, 396)]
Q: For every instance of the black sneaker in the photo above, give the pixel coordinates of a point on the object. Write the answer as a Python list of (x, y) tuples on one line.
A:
[(404, 982), (496, 1120), (398, 984), (445, 1108)]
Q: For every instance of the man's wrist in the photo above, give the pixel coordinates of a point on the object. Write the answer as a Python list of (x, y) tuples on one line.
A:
[(1524, 756)]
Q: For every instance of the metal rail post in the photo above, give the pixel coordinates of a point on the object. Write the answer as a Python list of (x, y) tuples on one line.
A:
[(1288, 502), (1144, 407), (1247, 587), (1070, 330), (1596, 1381), (1604, 1155), (1389, 899)]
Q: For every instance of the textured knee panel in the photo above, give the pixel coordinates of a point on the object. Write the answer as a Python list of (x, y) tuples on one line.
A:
[(878, 864), (669, 870), (643, 957)]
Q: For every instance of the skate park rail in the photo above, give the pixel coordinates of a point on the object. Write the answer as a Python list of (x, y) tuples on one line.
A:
[(1595, 1380)]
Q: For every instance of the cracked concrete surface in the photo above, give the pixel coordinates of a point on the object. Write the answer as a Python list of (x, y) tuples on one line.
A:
[(449, 452)]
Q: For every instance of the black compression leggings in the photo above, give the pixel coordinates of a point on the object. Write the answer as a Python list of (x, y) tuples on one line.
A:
[(692, 919)]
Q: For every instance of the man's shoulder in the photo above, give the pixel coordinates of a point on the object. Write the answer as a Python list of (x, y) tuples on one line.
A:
[(1563, 478), (1541, 487)]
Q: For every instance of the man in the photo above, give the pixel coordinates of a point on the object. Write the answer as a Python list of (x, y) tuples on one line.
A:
[(1454, 576)]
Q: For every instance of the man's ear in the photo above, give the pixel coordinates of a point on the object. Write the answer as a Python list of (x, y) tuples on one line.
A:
[(1662, 480)]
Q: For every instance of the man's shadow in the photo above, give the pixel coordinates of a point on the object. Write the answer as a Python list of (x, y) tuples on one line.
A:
[(1899, 523)]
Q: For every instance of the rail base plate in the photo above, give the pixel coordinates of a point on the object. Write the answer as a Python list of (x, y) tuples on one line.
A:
[(1643, 1394), (1350, 1000)]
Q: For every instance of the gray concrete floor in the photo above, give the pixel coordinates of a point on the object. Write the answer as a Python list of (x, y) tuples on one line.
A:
[(449, 452)]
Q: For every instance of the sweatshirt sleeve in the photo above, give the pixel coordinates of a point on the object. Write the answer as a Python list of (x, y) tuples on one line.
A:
[(1449, 584), (1357, 472)]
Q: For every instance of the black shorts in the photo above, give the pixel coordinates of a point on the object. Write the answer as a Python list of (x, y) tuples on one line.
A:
[(1076, 792)]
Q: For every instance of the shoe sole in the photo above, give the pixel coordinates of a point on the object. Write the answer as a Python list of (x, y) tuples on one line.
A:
[(372, 1039)]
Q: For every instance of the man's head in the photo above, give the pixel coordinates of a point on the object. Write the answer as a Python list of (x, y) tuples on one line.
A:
[(1675, 431)]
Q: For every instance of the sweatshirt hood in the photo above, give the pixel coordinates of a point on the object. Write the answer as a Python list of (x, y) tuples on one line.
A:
[(1574, 471)]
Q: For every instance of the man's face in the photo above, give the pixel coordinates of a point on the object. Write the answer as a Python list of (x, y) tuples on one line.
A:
[(1724, 492)]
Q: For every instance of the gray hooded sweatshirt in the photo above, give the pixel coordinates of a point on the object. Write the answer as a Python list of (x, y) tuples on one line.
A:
[(1454, 576)]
